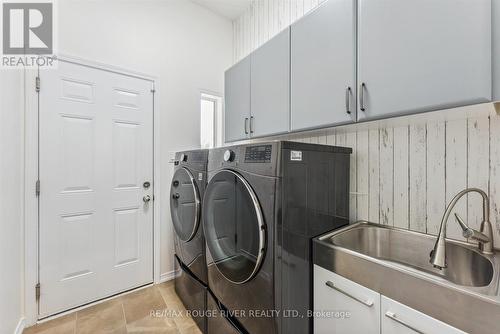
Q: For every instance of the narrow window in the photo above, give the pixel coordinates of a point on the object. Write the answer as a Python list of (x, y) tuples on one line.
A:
[(210, 121)]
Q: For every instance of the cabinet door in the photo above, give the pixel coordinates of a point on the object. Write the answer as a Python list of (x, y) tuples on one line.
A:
[(237, 97), (400, 319), (323, 55), (496, 49), (342, 306), (422, 55), (270, 82)]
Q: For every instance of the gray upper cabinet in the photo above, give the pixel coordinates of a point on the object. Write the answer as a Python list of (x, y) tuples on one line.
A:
[(356, 60), (270, 87), (237, 97), (323, 56), (422, 55), (496, 49)]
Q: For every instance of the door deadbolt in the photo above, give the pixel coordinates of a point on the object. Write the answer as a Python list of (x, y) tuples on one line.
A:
[(146, 184)]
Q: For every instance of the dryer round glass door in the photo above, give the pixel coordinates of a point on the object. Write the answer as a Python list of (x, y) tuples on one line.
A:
[(234, 226), (185, 204)]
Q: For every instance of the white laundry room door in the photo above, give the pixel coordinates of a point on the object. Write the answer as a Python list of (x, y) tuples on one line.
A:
[(96, 207)]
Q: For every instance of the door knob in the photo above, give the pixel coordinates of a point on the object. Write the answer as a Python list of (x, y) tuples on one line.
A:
[(176, 196), (146, 199)]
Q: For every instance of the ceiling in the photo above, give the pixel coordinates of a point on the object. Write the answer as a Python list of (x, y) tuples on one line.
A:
[(230, 9)]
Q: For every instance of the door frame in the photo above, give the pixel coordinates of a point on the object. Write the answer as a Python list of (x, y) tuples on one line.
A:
[(31, 175)]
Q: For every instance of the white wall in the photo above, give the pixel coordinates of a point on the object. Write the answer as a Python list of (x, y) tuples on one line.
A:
[(11, 183), (403, 175), (400, 175), (186, 46)]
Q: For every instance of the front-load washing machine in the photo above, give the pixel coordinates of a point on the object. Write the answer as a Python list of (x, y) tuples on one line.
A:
[(262, 206), (186, 194)]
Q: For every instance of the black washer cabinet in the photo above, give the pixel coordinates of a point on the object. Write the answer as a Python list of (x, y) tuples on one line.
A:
[(263, 205), (186, 194)]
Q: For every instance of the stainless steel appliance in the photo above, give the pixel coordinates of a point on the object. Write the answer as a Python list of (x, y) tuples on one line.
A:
[(186, 194), (263, 205)]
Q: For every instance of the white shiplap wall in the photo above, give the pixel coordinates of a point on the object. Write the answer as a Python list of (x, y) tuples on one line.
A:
[(264, 19), (404, 176), (401, 175)]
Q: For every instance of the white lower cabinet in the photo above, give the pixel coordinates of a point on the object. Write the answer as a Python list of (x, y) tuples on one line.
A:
[(342, 306), (401, 319)]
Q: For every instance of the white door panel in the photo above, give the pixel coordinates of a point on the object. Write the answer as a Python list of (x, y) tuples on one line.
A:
[(96, 141), (132, 146)]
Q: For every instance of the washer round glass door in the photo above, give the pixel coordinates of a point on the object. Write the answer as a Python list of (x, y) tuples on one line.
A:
[(234, 226), (185, 204)]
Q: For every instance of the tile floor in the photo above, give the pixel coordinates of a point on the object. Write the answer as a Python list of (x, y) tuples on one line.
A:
[(130, 313)]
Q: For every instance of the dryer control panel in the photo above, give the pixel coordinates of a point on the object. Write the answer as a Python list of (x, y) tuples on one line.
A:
[(261, 153)]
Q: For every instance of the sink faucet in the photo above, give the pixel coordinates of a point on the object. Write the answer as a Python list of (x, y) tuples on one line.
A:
[(484, 238)]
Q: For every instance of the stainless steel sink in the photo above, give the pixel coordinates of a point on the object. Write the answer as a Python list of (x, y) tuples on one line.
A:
[(395, 263), (466, 266)]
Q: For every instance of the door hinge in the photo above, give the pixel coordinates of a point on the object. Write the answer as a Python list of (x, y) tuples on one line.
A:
[(37, 291), (37, 188), (37, 84), (153, 90)]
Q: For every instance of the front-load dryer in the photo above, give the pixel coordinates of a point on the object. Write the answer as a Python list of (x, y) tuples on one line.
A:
[(262, 206), (186, 194)]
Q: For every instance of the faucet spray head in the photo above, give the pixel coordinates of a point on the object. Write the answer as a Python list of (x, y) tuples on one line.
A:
[(438, 254), (470, 233)]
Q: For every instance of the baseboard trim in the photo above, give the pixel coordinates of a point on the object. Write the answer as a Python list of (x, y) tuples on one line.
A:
[(20, 326), (170, 275)]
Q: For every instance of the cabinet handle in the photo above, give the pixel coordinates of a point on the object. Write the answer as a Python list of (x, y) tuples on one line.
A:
[(362, 97), (348, 100), (394, 317), (251, 124), (330, 284), (246, 125)]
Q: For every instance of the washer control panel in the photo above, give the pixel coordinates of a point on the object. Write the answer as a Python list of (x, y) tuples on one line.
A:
[(260, 153)]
